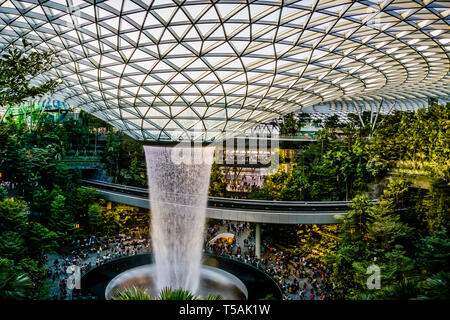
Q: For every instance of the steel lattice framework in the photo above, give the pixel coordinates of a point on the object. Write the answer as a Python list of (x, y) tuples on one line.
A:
[(171, 70)]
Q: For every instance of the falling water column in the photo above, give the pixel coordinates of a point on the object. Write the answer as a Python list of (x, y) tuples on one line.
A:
[(178, 179)]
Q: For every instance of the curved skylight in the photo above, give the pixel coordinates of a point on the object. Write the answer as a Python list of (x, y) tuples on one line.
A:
[(171, 70)]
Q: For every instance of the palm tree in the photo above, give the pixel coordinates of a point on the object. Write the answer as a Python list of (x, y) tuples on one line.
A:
[(269, 297), (131, 294), (12, 286), (165, 294), (436, 288), (177, 294), (404, 290)]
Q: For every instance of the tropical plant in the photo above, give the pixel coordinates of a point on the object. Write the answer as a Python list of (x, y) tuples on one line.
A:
[(436, 287), (269, 297), (217, 185), (433, 252), (177, 294), (131, 294), (165, 294), (13, 286), (290, 126)]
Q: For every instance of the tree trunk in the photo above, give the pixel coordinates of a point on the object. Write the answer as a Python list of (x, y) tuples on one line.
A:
[(346, 191), (95, 141)]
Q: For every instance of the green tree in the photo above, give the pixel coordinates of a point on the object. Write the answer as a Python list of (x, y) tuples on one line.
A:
[(83, 199), (297, 186), (17, 68), (124, 159), (135, 175), (32, 268), (290, 125), (13, 215), (395, 265), (40, 240), (14, 164), (384, 228), (12, 245), (355, 224), (344, 263), (3, 193), (433, 252), (217, 184), (112, 155), (271, 189), (60, 220), (112, 221), (95, 218)]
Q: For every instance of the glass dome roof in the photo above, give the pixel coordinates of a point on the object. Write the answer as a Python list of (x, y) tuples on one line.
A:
[(177, 70)]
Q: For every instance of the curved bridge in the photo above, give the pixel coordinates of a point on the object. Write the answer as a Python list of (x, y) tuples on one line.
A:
[(258, 211)]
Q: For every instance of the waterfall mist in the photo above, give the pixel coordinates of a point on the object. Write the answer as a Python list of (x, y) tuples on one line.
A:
[(178, 180)]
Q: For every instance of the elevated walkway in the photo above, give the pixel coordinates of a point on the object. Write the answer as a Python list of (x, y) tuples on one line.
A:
[(258, 211), (280, 137)]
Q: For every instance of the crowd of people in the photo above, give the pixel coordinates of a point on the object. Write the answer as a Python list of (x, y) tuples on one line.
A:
[(238, 186), (243, 182), (300, 278), (92, 252), (226, 247)]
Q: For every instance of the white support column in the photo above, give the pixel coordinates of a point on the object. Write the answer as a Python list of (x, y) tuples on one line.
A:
[(258, 241)]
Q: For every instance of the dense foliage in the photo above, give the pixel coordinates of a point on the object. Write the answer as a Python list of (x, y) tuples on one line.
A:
[(43, 207), (405, 233), (217, 184), (125, 160), (390, 235), (330, 169), (17, 68), (416, 141), (41, 203)]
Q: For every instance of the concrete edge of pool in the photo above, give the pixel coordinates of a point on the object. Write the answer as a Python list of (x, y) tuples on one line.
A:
[(258, 284)]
